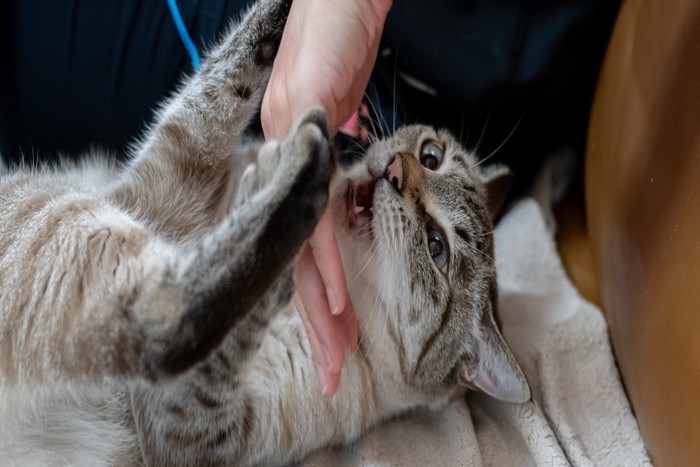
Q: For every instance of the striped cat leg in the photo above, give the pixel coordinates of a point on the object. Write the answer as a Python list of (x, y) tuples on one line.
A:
[(181, 420), (89, 293), (179, 181), (235, 264), (204, 417)]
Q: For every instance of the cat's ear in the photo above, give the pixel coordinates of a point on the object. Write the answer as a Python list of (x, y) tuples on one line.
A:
[(492, 368), (498, 180)]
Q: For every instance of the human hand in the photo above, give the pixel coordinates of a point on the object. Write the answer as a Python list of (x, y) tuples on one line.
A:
[(325, 58)]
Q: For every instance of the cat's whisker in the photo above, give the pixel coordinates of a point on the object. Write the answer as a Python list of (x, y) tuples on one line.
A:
[(376, 300), (480, 141), (356, 149), (486, 234), (394, 105), (365, 234), (369, 256), (476, 250), (461, 131), (379, 121), (361, 149), (512, 132), (356, 144), (372, 130)]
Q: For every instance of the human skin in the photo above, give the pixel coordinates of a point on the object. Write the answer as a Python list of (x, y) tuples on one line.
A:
[(325, 58)]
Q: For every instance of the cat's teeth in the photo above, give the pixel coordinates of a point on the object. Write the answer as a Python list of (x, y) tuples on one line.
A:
[(359, 209)]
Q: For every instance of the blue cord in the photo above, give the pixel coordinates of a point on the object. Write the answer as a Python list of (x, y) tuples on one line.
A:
[(184, 35)]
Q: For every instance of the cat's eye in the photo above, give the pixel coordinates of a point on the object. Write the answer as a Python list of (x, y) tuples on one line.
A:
[(438, 248), (431, 155)]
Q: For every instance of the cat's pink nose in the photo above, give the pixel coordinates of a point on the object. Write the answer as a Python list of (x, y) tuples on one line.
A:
[(394, 172)]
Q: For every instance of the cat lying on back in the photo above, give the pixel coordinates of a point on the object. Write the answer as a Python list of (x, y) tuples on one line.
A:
[(145, 312)]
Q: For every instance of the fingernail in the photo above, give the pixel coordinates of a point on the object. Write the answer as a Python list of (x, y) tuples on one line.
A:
[(333, 302)]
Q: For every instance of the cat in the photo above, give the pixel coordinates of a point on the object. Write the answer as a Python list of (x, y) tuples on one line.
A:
[(146, 311)]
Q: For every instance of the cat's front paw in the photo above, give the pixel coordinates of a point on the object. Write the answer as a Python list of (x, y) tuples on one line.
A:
[(306, 165), (309, 144), (277, 164)]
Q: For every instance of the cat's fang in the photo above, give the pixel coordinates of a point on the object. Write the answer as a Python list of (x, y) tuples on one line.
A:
[(364, 194), (359, 199)]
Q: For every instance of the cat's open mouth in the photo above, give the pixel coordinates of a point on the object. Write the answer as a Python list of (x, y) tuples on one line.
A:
[(358, 199)]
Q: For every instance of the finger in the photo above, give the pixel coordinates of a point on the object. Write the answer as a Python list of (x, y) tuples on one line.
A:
[(351, 101), (266, 116), (347, 323), (326, 257), (316, 349), (330, 352), (274, 112)]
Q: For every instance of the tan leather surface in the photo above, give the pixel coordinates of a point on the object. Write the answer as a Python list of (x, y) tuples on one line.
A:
[(643, 206), (574, 246)]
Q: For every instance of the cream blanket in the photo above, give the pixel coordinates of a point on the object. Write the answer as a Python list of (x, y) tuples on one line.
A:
[(579, 414)]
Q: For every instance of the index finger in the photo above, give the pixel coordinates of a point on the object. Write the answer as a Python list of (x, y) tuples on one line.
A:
[(327, 258)]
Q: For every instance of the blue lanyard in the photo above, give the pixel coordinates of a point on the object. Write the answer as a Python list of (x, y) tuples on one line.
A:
[(184, 35)]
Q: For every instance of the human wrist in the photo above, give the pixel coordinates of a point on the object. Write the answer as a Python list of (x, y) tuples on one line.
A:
[(380, 8)]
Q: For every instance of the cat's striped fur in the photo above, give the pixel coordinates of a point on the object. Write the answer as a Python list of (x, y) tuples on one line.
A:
[(145, 312)]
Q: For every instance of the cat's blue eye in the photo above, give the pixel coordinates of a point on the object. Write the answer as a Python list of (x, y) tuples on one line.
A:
[(431, 155), (438, 248)]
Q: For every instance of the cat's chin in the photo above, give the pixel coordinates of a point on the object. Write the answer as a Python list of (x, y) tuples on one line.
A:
[(359, 200)]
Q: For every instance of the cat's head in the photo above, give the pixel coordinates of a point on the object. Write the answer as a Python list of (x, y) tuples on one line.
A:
[(414, 227)]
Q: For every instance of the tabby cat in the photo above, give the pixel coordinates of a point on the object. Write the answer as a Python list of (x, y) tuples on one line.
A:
[(145, 311)]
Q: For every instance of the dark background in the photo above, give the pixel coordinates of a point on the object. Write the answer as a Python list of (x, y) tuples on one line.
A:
[(514, 77)]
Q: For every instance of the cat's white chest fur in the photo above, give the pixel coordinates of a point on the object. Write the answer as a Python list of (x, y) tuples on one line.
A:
[(63, 425)]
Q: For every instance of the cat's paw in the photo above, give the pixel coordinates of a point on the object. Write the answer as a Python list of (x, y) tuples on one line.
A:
[(308, 151), (279, 163), (269, 19), (310, 140), (304, 170), (259, 174)]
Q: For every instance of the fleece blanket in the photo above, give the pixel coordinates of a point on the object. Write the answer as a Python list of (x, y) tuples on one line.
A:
[(579, 414)]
